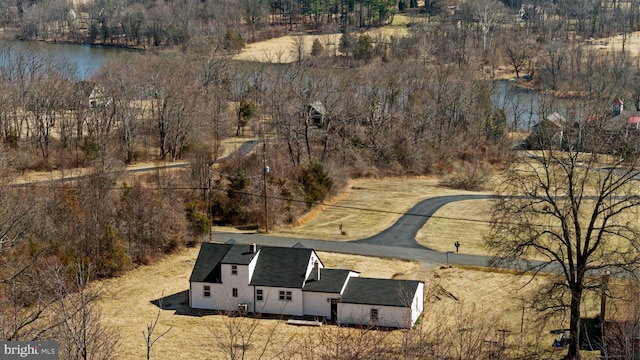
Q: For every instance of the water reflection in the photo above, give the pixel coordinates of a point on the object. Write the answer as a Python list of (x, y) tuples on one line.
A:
[(87, 59), (521, 106)]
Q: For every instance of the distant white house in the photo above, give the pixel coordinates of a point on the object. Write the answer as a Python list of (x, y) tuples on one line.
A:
[(293, 281), (98, 98)]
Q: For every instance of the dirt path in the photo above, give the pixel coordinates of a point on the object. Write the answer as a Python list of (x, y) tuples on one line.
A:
[(228, 146)]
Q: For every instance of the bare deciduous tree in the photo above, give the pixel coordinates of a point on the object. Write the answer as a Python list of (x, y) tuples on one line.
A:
[(573, 210), (151, 327), (237, 336), (518, 52), (488, 13), (79, 331)]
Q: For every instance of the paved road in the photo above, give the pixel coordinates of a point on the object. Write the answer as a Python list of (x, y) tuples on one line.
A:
[(398, 241), (403, 232), (244, 149)]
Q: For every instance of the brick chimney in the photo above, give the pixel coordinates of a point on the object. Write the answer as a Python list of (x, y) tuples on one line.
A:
[(316, 270)]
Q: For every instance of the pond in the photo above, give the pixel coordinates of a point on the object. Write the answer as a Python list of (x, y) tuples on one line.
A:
[(87, 59), (521, 106)]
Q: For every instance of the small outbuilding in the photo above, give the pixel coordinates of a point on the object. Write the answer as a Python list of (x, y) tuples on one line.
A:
[(316, 112)]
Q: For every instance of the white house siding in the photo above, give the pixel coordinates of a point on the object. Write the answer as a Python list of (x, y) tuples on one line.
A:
[(312, 259), (198, 300), (271, 303), (388, 316), (417, 304), (230, 282), (316, 304), (221, 297)]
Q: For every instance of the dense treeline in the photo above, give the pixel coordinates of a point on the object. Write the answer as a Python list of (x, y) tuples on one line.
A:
[(167, 23), (155, 23)]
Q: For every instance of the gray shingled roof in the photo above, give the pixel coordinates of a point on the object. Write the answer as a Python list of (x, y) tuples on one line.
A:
[(207, 267), (281, 267), (331, 281), (238, 254), (384, 292), (318, 107)]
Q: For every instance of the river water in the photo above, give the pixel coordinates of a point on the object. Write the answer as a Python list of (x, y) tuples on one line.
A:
[(86, 58), (521, 106)]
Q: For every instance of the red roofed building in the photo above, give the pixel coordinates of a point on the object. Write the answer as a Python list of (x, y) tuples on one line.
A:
[(632, 123), (618, 107)]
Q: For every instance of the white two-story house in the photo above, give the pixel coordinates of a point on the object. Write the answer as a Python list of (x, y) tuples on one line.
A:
[(293, 281)]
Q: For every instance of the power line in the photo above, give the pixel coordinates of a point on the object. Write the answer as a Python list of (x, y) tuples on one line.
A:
[(295, 201), (357, 208), (450, 218)]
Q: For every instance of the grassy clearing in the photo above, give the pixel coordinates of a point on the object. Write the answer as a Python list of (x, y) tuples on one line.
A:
[(468, 223), (127, 304), (631, 43), (463, 221), (367, 207), (284, 49)]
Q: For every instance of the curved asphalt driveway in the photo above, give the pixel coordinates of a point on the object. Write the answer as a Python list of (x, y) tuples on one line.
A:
[(403, 232), (397, 242)]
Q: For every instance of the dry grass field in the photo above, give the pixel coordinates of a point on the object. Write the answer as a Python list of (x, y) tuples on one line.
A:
[(614, 43), (454, 295), (463, 221), (284, 49), (127, 305), (366, 207)]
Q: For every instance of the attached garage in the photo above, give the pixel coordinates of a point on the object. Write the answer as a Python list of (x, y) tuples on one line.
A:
[(381, 302)]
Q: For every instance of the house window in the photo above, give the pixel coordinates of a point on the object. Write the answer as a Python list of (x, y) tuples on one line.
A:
[(234, 269), (234, 292), (374, 315), (285, 295), (207, 291), (259, 295)]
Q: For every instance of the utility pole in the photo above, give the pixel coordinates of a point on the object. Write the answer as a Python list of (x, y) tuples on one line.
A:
[(265, 171), (209, 209)]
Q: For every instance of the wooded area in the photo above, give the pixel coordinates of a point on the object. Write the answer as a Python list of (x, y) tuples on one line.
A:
[(420, 104)]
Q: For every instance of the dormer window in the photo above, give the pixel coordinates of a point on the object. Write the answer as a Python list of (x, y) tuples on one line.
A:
[(234, 269)]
